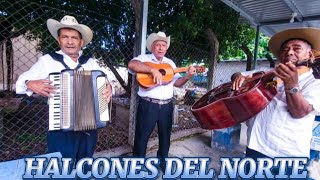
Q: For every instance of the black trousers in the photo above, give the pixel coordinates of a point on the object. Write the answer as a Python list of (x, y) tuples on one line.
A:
[(70, 144), (148, 115), (250, 153)]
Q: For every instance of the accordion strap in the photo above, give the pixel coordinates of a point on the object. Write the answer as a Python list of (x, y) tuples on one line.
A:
[(58, 57)]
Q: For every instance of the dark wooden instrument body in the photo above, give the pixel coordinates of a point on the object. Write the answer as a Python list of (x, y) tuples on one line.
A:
[(222, 108)]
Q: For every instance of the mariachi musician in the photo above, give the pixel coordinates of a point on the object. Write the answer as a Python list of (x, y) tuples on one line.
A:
[(155, 104), (284, 127), (71, 37)]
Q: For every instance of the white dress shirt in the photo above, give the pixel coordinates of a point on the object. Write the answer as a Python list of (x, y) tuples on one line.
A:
[(275, 133), (162, 92), (46, 65)]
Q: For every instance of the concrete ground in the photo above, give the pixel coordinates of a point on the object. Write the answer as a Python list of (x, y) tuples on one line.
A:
[(199, 145)]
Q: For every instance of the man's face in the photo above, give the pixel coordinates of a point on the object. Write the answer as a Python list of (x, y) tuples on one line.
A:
[(70, 41), (294, 50), (159, 49)]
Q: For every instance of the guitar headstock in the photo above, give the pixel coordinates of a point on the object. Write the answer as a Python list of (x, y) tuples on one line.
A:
[(316, 68), (316, 64), (200, 69), (312, 63)]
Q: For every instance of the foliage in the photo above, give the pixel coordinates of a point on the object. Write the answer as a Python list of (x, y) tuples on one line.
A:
[(186, 20), (240, 55), (111, 22)]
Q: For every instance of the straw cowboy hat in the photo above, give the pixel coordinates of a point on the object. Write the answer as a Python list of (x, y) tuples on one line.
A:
[(70, 22), (311, 35), (160, 36)]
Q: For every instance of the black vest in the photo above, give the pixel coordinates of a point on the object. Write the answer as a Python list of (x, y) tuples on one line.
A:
[(58, 57)]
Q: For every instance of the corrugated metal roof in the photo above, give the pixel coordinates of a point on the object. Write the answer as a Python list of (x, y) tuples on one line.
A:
[(274, 15)]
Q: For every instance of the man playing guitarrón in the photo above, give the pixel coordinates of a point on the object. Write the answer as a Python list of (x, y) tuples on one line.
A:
[(284, 127)]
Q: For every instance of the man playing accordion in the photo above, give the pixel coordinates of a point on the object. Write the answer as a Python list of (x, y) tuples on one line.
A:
[(71, 37)]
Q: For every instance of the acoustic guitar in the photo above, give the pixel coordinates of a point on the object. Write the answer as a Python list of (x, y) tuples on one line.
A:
[(223, 107), (146, 80)]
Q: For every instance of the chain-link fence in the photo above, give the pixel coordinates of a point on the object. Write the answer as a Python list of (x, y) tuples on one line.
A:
[(24, 38)]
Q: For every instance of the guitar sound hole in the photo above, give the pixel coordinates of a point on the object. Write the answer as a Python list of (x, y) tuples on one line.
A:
[(162, 71)]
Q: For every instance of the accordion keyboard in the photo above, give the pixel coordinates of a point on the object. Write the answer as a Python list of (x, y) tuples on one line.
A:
[(54, 104)]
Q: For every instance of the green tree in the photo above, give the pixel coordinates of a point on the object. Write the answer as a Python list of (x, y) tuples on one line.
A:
[(210, 24), (206, 24), (111, 21)]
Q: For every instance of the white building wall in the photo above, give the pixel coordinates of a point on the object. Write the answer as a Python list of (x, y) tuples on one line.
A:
[(24, 56)]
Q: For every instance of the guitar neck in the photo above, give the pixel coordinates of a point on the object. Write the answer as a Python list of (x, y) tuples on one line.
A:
[(179, 70)]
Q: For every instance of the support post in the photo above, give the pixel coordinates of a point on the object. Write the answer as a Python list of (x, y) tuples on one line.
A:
[(256, 47), (140, 49)]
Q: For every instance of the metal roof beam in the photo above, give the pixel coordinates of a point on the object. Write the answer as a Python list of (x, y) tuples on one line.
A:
[(267, 31), (253, 21), (238, 8), (286, 21), (280, 21), (311, 18), (294, 8)]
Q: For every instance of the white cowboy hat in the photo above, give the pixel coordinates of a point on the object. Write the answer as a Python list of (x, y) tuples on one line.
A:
[(70, 22), (311, 35), (160, 36)]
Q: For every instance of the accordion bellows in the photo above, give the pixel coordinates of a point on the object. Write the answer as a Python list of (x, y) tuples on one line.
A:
[(78, 104)]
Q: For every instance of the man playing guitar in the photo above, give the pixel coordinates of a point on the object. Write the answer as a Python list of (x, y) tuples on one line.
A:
[(155, 105)]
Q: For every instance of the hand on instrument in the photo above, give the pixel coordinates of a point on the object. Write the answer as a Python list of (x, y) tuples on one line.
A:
[(238, 80), (157, 76), (191, 71), (42, 87), (288, 73), (108, 93)]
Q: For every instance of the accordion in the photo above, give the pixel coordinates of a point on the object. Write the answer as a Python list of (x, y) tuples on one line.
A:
[(78, 103)]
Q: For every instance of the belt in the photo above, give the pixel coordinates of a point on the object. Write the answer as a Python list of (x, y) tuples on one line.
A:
[(157, 101)]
